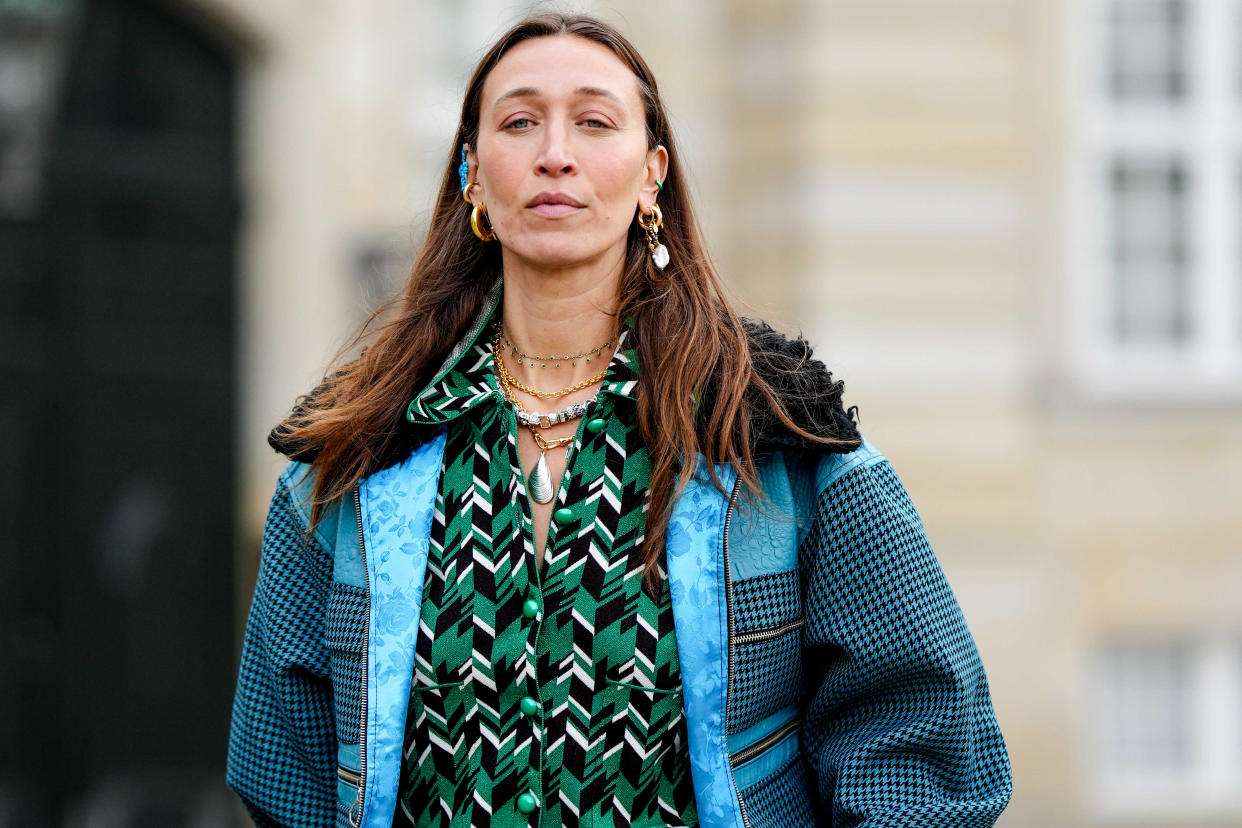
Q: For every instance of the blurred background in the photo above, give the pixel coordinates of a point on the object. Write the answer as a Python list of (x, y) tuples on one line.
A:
[(1013, 228)]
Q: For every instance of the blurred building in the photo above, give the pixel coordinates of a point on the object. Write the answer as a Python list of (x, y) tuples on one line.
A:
[(1014, 229)]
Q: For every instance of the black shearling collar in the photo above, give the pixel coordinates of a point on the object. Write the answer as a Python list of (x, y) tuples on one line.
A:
[(807, 390)]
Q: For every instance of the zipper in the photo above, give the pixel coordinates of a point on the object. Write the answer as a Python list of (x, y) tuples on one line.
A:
[(348, 776), (360, 778), (751, 751), (741, 803), (757, 636)]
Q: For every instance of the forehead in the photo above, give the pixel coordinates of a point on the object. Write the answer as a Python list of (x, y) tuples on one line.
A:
[(556, 66)]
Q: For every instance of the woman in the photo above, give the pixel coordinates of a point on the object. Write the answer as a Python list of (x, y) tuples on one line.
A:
[(493, 591)]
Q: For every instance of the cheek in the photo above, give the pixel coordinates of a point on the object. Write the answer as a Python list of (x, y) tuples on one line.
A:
[(504, 174), (616, 183), (618, 177)]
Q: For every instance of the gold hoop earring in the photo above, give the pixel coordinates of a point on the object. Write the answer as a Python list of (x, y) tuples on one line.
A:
[(476, 225), (652, 225)]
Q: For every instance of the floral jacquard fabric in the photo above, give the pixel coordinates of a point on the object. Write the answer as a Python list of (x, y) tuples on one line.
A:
[(542, 696)]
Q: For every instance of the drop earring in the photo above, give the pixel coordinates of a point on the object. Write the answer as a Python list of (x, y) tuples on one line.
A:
[(477, 214), (659, 253), (484, 233)]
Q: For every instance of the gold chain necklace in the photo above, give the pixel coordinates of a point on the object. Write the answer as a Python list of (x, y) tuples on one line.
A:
[(533, 358), (505, 376), (540, 440)]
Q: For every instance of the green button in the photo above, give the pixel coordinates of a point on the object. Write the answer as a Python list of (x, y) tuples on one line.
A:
[(529, 706), (596, 425), (530, 608), (563, 515), (526, 803)]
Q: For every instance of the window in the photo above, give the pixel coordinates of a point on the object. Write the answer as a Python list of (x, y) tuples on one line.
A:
[(1155, 199), (1166, 728), (1150, 281), (1147, 49), (1145, 724)]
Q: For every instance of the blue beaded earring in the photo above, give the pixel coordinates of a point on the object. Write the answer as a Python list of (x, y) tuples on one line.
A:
[(462, 170)]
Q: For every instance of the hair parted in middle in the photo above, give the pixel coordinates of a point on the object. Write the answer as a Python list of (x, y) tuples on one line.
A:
[(688, 334)]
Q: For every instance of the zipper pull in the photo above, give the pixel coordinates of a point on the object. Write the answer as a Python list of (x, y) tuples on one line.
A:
[(354, 821)]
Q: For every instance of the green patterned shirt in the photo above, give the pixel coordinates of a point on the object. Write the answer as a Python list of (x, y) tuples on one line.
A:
[(551, 697)]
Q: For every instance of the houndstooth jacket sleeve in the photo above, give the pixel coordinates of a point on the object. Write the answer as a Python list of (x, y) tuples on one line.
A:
[(282, 745), (900, 729)]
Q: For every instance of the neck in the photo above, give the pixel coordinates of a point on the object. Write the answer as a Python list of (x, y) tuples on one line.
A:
[(560, 312)]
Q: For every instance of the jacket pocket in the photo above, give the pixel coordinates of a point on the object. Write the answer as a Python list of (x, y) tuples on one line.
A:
[(347, 805), (346, 638), (652, 714), (782, 798), (771, 774), (767, 648), (642, 688), (436, 743), (637, 735)]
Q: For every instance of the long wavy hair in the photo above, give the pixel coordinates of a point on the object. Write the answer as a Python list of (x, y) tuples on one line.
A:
[(691, 338)]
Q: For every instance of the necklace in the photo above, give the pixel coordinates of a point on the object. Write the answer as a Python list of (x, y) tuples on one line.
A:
[(533, 358), (539, 483), (532, 418), (503, 373)]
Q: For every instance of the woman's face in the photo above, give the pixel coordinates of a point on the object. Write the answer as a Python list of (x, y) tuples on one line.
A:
[(562, 115)]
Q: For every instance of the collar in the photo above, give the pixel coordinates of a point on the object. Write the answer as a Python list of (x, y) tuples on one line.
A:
[(812, 397), (467, 376)]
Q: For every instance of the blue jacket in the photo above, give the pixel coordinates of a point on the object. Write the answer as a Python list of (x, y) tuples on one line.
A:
[(829, 677)]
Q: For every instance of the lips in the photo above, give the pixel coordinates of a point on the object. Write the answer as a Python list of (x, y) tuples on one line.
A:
[(548, 210), (554, 198)]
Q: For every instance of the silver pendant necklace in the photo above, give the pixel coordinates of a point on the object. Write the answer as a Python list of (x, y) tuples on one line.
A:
[(540, 482)]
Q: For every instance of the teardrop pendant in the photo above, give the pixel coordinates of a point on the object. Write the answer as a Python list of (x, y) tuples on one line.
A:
[(540, 481)]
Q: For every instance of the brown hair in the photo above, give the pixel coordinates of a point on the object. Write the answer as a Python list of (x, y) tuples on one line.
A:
[(354, 412)]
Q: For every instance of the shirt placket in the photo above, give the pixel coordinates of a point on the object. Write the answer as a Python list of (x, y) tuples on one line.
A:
[(551, 591)]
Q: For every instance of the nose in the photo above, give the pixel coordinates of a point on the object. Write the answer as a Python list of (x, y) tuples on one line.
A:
[(555, 157)]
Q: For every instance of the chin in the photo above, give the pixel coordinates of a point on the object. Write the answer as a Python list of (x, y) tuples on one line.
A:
[(561, 252)]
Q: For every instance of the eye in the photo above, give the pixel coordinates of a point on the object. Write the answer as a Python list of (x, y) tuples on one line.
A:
[(602, 124), (515, 121)]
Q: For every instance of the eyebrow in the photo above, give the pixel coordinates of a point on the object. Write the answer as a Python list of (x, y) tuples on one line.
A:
[(530, 91)]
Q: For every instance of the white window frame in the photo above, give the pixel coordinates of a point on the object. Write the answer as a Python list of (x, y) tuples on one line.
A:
[(1211, 785), (1206, 132)]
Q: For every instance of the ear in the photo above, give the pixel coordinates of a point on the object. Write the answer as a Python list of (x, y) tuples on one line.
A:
[(655, 169), (472, 173)]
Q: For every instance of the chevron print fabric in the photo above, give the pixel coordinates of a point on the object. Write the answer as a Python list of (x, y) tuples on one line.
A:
[(550, 697)]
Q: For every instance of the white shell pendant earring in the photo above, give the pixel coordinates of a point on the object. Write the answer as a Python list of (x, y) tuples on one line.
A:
[(660, 256), (659, 253)]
